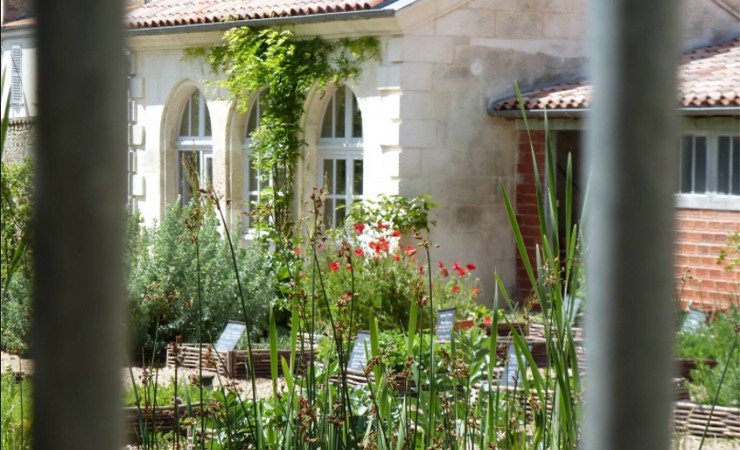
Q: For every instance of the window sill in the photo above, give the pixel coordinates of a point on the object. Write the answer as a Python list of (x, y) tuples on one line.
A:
[(708, 201)]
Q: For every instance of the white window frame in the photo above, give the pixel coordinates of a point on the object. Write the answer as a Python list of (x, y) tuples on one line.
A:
[(200, 143), (348, 148), (248, 228), (711, 199)]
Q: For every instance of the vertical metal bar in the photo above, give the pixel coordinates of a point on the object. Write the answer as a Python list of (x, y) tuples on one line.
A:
[(632, 148), (79, 223)]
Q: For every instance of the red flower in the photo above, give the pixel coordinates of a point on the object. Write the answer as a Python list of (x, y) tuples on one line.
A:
[(410, 251), (359, 228), (476, 291), (396, 256), (383, 245), (461, 271), (441, 265), (456, 266), (421, 269), (396, 233), (334, 266), (471, 266), (349, 267), (359, 252), (382, 226), (487, 320), (455, 288), (297, 251), (444, 272)]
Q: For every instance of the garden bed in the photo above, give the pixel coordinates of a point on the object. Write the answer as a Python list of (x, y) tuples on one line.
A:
[(691, 418), (162, 419)]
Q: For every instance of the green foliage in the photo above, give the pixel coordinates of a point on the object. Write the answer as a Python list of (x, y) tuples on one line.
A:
[(284, 69), (15, 255), (163, 281), (150, 394), (406, 215), (15, 413), (714, 341), (729, 256)]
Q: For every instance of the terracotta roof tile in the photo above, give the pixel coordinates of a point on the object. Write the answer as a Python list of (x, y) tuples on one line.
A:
[(165, 13), (706, 77)]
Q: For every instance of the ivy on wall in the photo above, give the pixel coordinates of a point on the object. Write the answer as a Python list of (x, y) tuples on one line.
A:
[(283, 68)]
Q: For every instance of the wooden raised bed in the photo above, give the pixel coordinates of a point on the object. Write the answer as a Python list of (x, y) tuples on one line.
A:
[(161, 420), (231, 364), (691, 418), (237, 362), (188, 358)]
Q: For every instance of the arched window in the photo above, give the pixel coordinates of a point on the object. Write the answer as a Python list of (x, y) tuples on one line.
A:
[(254, 183), (340, 155), (194, 147)]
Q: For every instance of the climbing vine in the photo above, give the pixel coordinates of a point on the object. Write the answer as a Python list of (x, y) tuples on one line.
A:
[(283, 68)]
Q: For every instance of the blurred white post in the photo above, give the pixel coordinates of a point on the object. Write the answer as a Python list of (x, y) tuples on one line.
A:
[(632, 145), (79, 224)]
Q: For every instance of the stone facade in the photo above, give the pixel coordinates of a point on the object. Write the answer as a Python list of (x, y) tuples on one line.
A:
[(423, 105), (20, 140)]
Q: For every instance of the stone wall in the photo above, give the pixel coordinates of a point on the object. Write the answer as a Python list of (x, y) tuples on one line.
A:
[(20, 140)]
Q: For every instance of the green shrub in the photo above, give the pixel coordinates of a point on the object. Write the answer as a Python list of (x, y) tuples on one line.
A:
[(15, 258), (164, 280), (714, 341)]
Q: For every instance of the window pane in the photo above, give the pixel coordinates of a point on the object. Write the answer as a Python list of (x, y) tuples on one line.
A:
[(735, 172), (723, 165), (207, 119), (329, 213), (185, 121), (700, 165), (208, 175), (686, 166), (328, 178), (341, 212), (189, 169), (341, 179), (357, 177), (356, 119), (328, 123), (253, 181), (195, 114), (339, 113), (253, 117)]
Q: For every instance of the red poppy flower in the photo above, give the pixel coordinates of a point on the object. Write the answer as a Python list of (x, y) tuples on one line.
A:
[(297, 251), (396, 233), (396, 256), (349, 267), (359, 228), (461, 271), (455, 288), (471, 266), (359, 252), (456, 266), (476, 291), (421, 269), (410, 251), (334, 266), (382, 226), (444, 272), (441, 265)]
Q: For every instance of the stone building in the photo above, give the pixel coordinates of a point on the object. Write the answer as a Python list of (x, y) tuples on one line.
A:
[(423, 120)]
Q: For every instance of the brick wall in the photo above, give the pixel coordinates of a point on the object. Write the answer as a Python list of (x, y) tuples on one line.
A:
[(526, 202), (700, 235)]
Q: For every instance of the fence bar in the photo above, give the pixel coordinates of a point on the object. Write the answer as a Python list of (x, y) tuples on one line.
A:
[(79, 223), (632, 148)]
